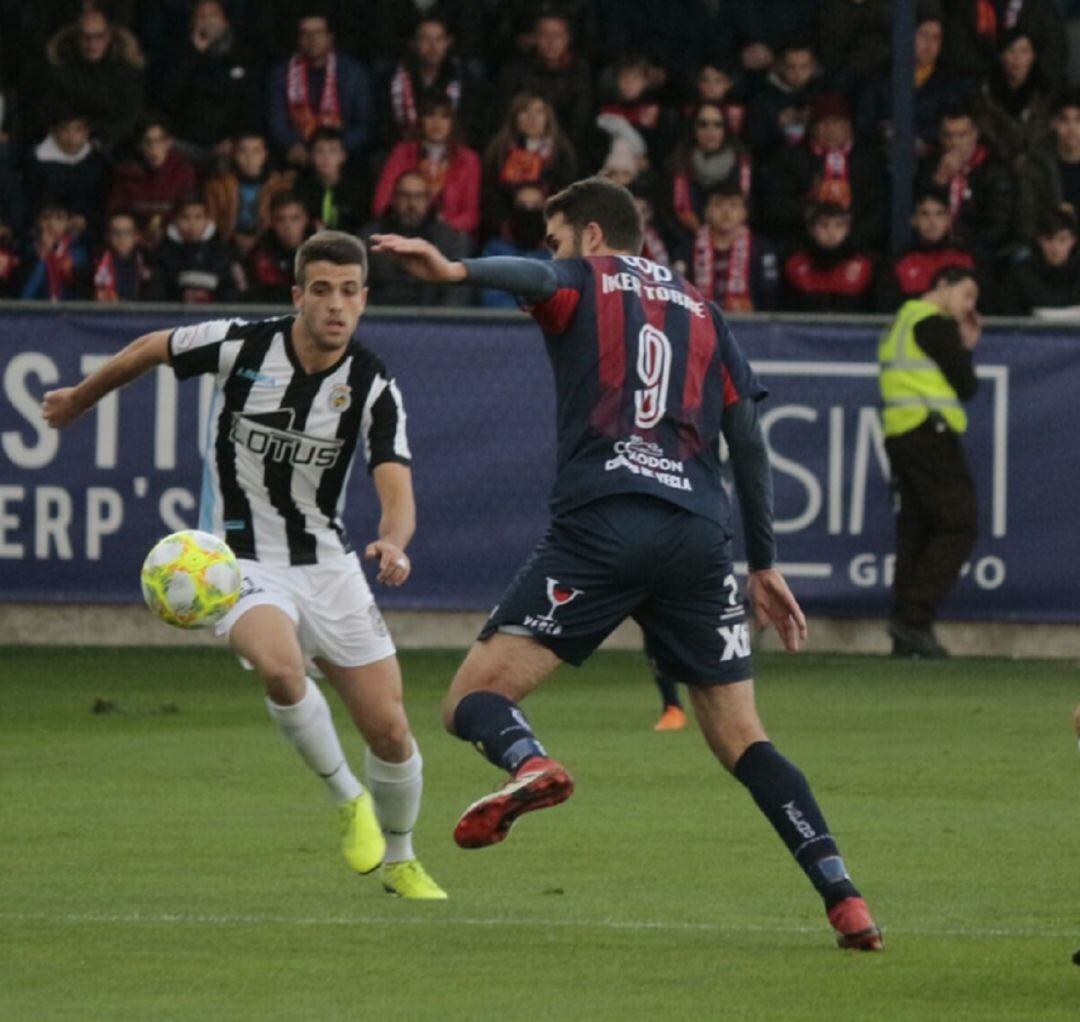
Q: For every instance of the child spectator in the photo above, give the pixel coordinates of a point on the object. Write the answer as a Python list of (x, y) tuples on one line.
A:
[(529, 148), (828, 274), (732, 266), (430, 71), (717, 84), (780, 112), (1047, 283), (525, 235), (933, 248), (829, 167), (270, 266), (56, 268), (410, 213), (979, 185), (709, 156), (632, 110), (239, 200), (151, 185), (67, 168), (194, 262), (123, 273), (318, 88), (211, 82), (450, 168), (335, 200)]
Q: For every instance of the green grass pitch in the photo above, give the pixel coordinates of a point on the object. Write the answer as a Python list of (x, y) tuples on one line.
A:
[(172, 860)]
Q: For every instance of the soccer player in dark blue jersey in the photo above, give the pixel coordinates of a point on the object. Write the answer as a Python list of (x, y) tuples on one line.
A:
[(647, 377)]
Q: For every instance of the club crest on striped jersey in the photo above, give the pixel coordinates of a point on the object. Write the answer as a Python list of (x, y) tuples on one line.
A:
[(340, 397)]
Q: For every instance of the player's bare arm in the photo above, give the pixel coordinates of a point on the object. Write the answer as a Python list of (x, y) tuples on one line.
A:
[(393, 484), (61, 407)]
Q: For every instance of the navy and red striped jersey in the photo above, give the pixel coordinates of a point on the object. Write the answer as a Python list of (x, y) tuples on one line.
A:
[(644, 368)]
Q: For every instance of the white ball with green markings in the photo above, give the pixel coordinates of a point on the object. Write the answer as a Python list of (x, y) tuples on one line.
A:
[(190, 579)]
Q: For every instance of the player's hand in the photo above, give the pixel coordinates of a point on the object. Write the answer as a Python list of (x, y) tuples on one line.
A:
[(419, 257), (60, 408), (772, 603), (394, 564), (970, 330)]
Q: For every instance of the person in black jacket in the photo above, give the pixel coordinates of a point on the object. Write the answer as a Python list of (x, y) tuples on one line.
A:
[(1049, 279), (827, 273), (194, 263), (211, 84)]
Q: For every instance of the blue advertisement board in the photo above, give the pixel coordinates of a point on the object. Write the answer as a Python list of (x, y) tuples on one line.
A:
[(80, 508)]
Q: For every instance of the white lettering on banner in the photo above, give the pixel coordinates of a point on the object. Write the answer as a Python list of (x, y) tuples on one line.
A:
[(107, 411), (165, 419), (174, 498), (9, 521), (104, 516), (869, 436), (28, 405), (52, 526), (792, 468), (876, 571)]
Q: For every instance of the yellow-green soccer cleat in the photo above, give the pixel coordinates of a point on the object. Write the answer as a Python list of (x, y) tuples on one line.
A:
[(362, 841), (408, 879)]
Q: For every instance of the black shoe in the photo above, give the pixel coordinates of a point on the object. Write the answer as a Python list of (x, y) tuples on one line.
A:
[(917, 643)]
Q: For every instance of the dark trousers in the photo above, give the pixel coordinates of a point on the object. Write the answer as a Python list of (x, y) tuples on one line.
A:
[(937, 522)]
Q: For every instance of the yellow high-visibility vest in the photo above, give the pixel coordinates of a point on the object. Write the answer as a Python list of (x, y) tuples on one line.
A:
[(912, 383)]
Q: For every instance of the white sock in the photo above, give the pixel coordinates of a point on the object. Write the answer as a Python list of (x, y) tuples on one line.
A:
[(396, 788), (310, 728)]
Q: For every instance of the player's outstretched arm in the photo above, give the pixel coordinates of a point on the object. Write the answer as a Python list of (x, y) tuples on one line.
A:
[(773, 603), (420, 258), (61, 407), (397, 523)]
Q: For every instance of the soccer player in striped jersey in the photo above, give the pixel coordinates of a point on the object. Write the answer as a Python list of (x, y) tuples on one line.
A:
[(647, 378), (296, 397)]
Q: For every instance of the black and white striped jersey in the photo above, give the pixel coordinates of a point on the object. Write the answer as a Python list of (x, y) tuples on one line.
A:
[(281, 442)]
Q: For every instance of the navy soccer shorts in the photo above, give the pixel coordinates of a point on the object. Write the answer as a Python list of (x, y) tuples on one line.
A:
[(640, 557)]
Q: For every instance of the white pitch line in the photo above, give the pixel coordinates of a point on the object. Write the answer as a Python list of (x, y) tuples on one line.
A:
[(181, 919)]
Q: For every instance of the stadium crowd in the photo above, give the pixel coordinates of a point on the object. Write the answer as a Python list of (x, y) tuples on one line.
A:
[(182, 150)]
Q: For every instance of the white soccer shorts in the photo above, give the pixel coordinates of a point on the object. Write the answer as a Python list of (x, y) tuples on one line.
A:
[(331, 604)]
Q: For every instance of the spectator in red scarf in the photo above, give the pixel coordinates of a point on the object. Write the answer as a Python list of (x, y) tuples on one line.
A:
[(122, 272), (932, 248), (979, 185), (707, 157), (829, 167), (56, 268), (318, 88), (450, 168), (731, 265), (529, 148), (431, 71), (151, 185), (828, 273)]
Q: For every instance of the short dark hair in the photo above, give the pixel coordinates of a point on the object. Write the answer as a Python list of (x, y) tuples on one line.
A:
[(597, 200), (1053, 220), (729, 189), (931, 193), (335, 247), (817, 211), (1063, 100), (283, 199), (949, 275), (326, 134)]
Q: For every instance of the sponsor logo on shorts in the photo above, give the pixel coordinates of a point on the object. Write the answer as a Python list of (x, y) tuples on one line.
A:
[(736, 641), (558, 595), (248, 588), (649, 460), (378, 622)]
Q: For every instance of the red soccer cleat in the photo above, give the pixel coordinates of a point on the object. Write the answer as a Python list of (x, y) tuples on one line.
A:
[(539, 783), (855, 927)]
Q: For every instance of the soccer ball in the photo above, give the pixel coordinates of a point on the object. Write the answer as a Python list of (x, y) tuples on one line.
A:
[(190, 579)]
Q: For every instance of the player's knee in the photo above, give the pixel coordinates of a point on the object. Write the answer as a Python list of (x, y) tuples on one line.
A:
[(393, 743), (285, 682)]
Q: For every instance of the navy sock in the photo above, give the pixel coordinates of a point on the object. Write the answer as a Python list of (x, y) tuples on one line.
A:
[(783, 795), (669, 690), (498, 728)]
